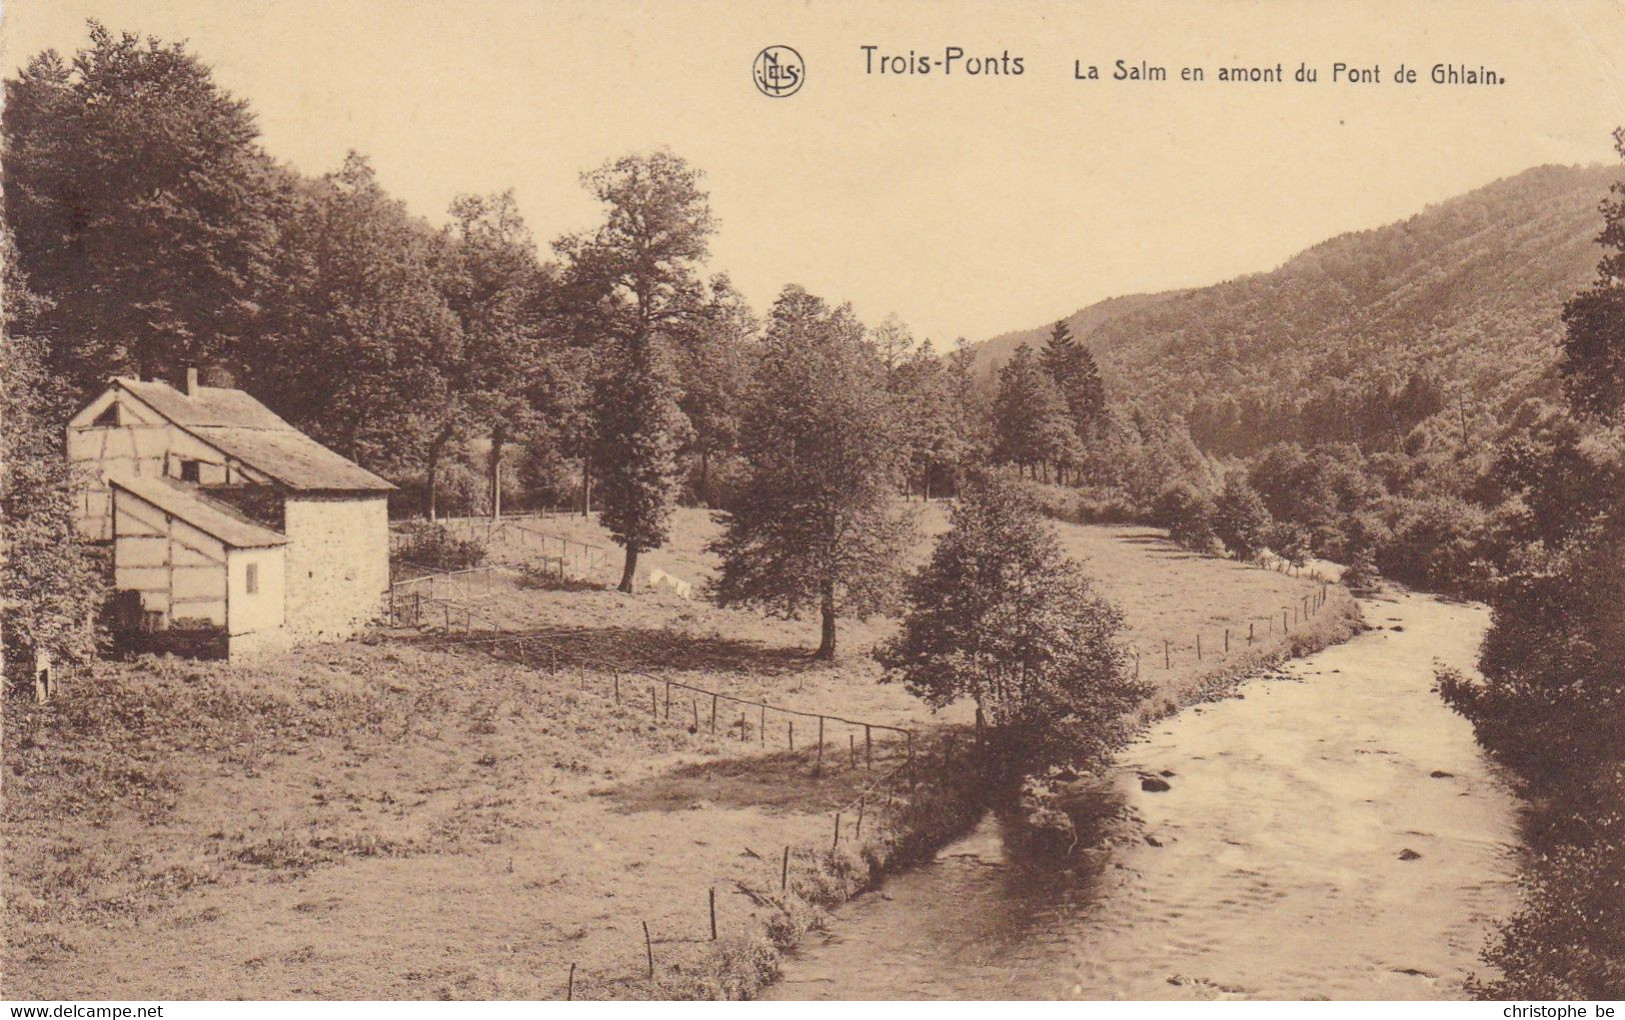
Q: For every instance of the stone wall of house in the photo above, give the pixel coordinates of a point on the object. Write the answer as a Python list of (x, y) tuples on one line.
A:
[(337, 563)]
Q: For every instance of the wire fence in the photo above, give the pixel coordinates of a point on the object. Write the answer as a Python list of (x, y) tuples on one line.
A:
[(436, 597), (1259, 631), (515, 541)]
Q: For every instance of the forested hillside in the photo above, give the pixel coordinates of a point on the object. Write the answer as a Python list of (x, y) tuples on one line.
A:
[(1455, 310)]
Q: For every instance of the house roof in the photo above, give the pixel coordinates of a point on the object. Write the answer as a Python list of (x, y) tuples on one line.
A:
[(208, 516), (245, 429)]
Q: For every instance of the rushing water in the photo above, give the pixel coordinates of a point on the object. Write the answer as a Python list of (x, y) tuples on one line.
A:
[(1333, 832)]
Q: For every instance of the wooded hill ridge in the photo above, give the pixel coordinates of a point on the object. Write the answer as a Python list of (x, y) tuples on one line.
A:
[(1462, 302)]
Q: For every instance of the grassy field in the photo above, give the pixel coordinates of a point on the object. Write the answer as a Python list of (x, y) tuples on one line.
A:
[(392, 819)]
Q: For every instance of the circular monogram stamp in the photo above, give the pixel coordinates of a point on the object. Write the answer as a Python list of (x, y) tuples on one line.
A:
[(779, 71)]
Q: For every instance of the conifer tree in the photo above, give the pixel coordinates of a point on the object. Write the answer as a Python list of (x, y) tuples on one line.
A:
[(1077, 378), (1031, 426)]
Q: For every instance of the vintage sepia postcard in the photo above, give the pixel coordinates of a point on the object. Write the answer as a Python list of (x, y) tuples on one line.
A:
[(512, 500)]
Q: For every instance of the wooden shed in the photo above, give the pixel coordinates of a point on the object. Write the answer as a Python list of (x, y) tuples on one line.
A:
[(193, 575)]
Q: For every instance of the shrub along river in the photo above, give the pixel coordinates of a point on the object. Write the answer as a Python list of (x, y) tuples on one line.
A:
[(1334, 831)]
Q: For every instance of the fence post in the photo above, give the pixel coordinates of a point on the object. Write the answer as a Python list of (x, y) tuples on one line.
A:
[(1227, 641), (654, 702), (852, 750), (837, 843), (713, 715), (649, 949), (761, 726), (818, 769), (713, 898), (911, 759), (668, 700), (617, 674), (1167, 662), (784, 871), (868, 747), (1249, 633), (1198, 647), (790, 727)]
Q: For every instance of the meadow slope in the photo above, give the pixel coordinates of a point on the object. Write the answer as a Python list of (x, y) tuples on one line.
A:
[(395, 819)]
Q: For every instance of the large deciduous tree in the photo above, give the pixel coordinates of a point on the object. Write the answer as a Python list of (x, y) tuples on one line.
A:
[(141, 205), (637, 279), (716, 359), (1001, 616), (362, 346), (495, 287), (816, 523)]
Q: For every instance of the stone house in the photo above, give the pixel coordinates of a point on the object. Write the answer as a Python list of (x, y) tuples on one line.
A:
[(228, 529)]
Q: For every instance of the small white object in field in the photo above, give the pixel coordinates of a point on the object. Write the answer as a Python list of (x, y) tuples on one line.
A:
[(660, 580)]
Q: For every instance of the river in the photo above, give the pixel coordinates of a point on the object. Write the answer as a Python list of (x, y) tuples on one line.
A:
[(1332, 832)]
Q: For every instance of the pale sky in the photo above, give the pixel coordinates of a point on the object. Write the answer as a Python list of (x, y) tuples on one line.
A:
[(966, 205)]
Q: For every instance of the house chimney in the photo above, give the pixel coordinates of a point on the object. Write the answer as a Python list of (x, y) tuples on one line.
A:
[(191, 380)]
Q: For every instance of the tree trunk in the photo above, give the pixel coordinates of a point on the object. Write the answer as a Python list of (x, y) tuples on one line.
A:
[(705, 476), (498, 437), (586, 486), (826, 644), (629, 573), (437, 447)]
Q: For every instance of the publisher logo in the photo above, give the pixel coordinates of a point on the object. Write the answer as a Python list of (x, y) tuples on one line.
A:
[(779, 72)]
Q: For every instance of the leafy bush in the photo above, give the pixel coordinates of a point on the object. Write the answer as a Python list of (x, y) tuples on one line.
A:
[(1435, 543), (1552, 701), (429, 544), (1188, 515), (1240, 519), (1092, 505), (1291, 542), (1565, 942), (1362, 576)]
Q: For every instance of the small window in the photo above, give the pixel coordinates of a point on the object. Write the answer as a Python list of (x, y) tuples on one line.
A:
[(253, 578), (109, 417), (189, 471)]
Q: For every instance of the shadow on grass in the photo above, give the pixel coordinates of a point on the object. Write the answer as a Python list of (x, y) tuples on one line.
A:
[(551, 582), (776, 782), (655, 649)]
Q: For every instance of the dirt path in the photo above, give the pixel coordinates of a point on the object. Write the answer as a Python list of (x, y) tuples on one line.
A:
[(1334, 832)]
